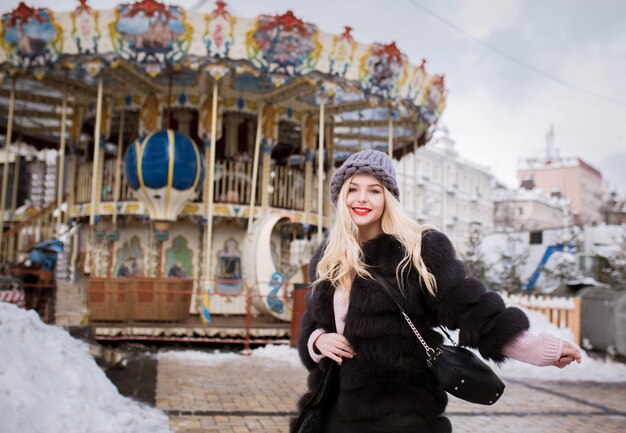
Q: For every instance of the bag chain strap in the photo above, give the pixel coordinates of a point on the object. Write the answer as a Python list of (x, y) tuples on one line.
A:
[(430, 352)]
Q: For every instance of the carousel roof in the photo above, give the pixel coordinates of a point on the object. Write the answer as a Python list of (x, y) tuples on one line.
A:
[(150, 47)]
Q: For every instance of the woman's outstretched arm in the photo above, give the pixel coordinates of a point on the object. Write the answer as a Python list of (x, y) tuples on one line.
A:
[(484, 320), (542, 350)]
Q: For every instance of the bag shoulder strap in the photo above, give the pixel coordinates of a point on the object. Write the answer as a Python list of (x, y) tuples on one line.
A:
[(388, 289), (447, 335)]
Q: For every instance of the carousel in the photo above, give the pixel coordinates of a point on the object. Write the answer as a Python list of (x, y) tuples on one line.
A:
[(183, 159)]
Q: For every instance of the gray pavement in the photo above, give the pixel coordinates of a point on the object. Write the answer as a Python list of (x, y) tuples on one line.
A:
[(250, 394)]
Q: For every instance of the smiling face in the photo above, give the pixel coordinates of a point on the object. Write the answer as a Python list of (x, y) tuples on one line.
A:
[(366, 203)]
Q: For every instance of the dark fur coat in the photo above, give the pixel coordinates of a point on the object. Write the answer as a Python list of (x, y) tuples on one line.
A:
[(388, 378)]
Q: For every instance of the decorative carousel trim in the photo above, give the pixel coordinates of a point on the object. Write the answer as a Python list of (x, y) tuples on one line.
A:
[(197, 210)]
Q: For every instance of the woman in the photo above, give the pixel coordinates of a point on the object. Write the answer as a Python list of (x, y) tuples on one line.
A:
[(384, 383)]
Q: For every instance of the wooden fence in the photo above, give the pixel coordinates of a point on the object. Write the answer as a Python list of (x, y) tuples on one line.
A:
[(563, 312)]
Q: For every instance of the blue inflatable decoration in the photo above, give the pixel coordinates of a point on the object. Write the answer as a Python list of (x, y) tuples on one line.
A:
[(164, 169), (44, 254)]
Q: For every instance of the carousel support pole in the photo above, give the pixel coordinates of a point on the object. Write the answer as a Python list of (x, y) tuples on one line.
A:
[(5, 171), (265, 178), (404, 190), (308, 190), (14, 238), (118, 169), (390, 137), (211, 175), (255, 167), (111, 260), (205, 199), (331, 146), (100, 177), (96, 156), (71, 197), (329, 157), (160, 265), (116, 187), (415, 207), (61, 176), (71, 175), (16, 177), (71, 183), (308, 173), (304, 151), (94, 174), (320, 174), (207, 165)]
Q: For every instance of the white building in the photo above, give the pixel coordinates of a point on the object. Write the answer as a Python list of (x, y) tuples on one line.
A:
[(439, 187), (530, 209)]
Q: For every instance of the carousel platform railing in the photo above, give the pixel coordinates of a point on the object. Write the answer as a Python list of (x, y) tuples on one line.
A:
[(287, 185), (233, 182), (161, 307), (139, 299), (233, 185)]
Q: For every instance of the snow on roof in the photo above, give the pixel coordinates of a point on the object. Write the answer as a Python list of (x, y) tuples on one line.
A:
[(549, 164), (446, 149), (521, 194)]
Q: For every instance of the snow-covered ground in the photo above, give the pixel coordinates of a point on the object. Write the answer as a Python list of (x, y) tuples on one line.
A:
[(280, 353), (50, 383)]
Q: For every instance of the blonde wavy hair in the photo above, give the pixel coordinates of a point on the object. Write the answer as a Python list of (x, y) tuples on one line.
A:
[(343, 255)]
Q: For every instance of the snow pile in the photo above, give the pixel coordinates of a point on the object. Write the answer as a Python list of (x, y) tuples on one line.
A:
[(50, 383), (538, 301), (197, 357), (280, 353)]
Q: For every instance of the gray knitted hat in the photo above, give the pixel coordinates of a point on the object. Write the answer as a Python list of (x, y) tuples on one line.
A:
[(371, 162)]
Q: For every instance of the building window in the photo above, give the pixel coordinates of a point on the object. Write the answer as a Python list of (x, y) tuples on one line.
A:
[(536, 238)]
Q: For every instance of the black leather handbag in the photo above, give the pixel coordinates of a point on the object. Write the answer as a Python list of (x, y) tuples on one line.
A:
[(459, 371), (463, 374)]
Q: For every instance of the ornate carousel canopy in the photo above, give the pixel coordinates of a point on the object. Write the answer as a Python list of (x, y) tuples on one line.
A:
[(147, 50)]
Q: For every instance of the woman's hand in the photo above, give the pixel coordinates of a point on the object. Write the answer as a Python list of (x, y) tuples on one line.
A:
[(568, 355), (334, 346)]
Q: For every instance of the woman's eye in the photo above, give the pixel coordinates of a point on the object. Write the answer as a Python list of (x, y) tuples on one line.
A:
[(351, 189), (375, 191)]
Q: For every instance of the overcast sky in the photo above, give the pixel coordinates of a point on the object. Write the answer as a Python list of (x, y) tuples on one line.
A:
[(497, 111)]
